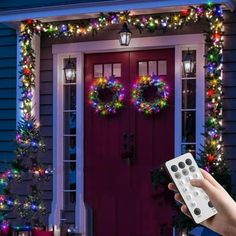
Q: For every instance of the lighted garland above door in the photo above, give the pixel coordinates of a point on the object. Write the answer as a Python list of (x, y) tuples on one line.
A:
[(122, 149)]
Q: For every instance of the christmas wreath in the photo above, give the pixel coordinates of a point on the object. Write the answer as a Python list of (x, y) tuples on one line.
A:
[(106, 85), (161, 93)]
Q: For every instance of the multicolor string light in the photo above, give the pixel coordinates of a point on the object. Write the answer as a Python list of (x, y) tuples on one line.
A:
[(211, 157), (161, 91), (116, 102)]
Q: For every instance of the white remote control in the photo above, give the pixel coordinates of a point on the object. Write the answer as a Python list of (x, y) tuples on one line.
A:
[(182, 169)]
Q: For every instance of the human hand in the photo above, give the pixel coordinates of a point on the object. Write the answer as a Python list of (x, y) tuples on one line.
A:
[(224, 222)]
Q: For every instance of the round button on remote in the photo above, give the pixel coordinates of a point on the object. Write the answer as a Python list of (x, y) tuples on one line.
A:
[(210, 204), (192, 168), (192, 204), (185, 189), (196, 193), (195, 175), (185, 172), (177, 175), (188, 162), (181, 165), (188, 178), (197, 211), (174, 168), (181, 182), (188, 197)]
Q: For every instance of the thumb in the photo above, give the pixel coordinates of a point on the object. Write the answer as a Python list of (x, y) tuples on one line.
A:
[(205, 185)]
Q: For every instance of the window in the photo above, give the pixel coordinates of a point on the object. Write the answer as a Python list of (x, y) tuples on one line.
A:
[(152, 67), (69, 147), (107, 70), (188, 110)]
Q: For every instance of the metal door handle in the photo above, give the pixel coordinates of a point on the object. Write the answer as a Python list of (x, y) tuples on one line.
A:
[(128, 147)]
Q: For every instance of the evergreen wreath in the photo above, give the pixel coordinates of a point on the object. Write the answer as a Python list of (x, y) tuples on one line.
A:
[(103, 84), (162, 92)]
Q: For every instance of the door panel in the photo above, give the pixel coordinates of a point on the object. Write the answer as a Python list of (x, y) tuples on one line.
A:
[(121, 195)]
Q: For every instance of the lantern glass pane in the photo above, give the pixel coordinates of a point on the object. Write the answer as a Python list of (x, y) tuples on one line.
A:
[(188, 63), (70, 70), (125, 38)]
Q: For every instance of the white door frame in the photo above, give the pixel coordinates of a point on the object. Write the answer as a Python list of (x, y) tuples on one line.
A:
[(61, 51)]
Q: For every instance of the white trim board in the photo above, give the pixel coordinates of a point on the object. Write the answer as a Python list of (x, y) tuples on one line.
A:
[(72, 11), (60, 51), (135, 44)]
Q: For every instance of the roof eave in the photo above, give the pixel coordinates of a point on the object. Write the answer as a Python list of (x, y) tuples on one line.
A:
[(83, 10)]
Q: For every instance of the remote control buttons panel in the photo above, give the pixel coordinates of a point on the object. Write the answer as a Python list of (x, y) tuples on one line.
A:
[(182, 169)]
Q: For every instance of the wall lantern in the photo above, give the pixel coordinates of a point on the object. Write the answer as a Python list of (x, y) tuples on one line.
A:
[(70, 71), (188, 64), (125, 35)]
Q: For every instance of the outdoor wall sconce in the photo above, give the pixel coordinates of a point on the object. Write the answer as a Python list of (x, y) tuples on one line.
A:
[(188, 64), (70, 71), (125, 35)]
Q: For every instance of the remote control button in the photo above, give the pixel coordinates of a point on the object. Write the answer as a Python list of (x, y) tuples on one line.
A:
[(181, 182), (185, 172), (188, 178), (185, 189), (174, 168), (210, 204), (181, 165), (196, 193), (188, 197), (177, 175), (192, 168), (192, 204), (196, 176), (197, 211), (188, 162), (206, 197)]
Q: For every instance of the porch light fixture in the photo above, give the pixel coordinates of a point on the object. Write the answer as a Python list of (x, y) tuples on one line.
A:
[(70, 71), (188, 64), (125, 35)]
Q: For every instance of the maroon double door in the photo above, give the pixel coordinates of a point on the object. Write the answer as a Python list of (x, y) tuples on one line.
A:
[(120, 193)]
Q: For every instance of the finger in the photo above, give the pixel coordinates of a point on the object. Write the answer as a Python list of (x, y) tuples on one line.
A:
[(185, 210), (205, 185), (172, 187), (207, 176), (178, 198)]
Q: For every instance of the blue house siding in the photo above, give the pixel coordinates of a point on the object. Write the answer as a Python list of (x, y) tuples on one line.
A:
[(7, 92), (229, 107), (6, 5)]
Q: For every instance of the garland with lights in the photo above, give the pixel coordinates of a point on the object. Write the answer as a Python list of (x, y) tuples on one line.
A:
[(161, 90), (211, 156), (28, 144), (117, 90)]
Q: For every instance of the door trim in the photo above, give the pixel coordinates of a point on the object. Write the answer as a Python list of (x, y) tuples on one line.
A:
[(60, 51)]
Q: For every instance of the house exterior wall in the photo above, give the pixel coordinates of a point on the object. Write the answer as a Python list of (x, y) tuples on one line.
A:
[(7, 93), (7, 5), (229, 78)]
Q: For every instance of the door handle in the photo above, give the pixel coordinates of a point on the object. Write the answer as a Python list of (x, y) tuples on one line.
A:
[(128, 148)]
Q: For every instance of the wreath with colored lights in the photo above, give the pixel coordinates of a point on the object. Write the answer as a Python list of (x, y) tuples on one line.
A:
[(159, 103), (116, 102)]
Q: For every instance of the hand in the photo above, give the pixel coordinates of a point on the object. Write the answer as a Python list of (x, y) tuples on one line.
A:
[(224, 222)]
